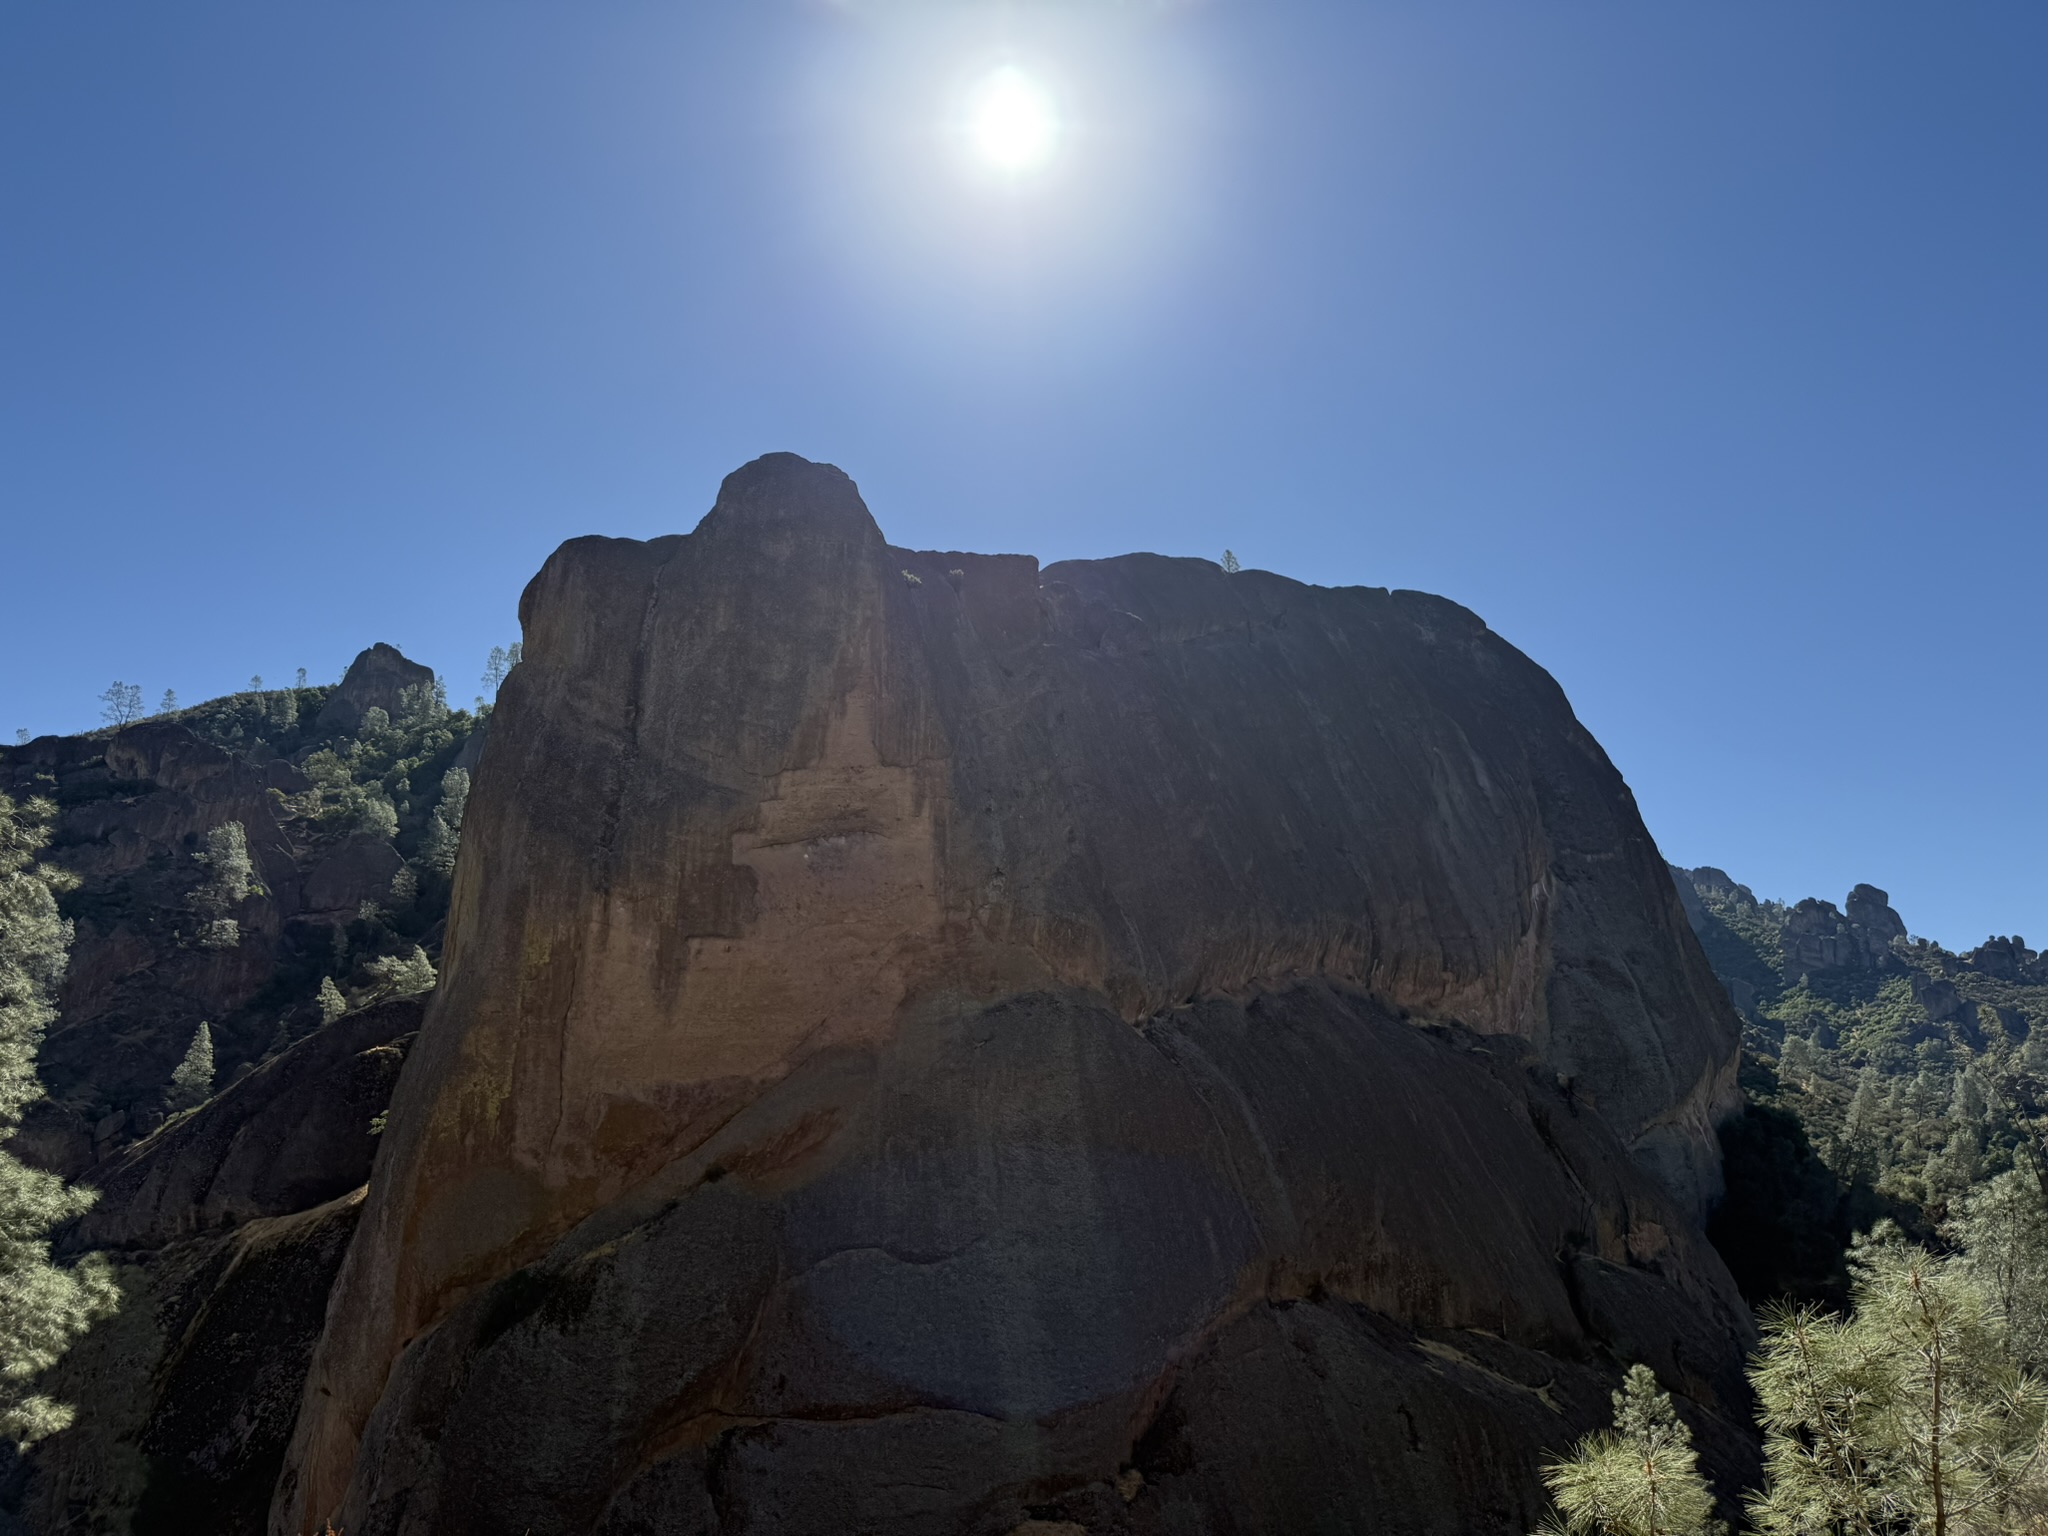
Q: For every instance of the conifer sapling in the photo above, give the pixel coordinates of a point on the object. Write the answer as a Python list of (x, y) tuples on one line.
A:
[(192, 1081)]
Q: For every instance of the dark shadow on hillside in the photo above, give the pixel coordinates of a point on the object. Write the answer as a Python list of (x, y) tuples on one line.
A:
[(1783, 1229)]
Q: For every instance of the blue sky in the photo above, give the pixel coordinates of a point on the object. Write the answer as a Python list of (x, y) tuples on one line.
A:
[(1700, 349)]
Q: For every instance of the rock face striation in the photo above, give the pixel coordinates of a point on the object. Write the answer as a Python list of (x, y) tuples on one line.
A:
[(927, 1044)]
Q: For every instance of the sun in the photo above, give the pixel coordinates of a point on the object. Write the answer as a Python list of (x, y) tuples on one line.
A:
[(1012, 122)]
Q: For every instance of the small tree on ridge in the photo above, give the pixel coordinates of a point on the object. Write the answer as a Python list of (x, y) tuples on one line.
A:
[(192, 1080), (121, 703)]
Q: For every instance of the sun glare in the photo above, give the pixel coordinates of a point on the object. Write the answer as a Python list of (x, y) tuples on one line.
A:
[(1013, 124)]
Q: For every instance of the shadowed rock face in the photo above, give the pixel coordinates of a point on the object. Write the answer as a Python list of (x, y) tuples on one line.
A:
[(229, 1225), (925, 1043), (292, 1134)]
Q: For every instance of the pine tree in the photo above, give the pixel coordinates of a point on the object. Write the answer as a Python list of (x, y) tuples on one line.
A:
[(455, 795), (498, 666), (219, 933), (1230, 563), (2002, 1228), (422, 705), (230, 877), (444, 827), (330, 1001), (43, 1306), (1640, 1478), (1907, 1416), (192, 1081), (1863, 1144), (375, 814), (403, 975), (1968, 1104), (1953, 1170), (438, 843), (121, 703), (1796, 1063), (168, 705)]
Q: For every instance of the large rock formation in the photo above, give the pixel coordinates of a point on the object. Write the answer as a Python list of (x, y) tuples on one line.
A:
[(927, 1044), (1817, 938)]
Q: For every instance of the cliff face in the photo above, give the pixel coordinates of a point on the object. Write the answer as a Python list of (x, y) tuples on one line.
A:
[(925, 1042)]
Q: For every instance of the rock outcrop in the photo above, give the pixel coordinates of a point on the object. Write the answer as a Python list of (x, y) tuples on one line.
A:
[(1818, 938), (2008, 959), (927, 1043), (377, 679)]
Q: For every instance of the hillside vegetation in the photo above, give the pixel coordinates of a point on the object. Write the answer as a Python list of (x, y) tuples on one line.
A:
[(239, 872), (1885, 1076)]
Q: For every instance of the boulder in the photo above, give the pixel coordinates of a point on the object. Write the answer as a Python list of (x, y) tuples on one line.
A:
[(930, 1044), (1040, 1249), (1719, 884), (1819, 938)]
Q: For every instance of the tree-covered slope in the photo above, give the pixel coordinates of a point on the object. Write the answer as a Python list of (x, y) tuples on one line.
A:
[(1884, 1074), (251, 864)]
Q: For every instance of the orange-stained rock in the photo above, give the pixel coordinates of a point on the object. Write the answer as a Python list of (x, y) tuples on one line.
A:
[(914, 1029)]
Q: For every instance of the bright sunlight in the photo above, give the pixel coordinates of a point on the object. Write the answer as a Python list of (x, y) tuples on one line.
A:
[(1012, 121)]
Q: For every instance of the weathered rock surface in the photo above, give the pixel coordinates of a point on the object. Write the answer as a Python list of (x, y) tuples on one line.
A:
[(926, 1043), (376, 679)]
